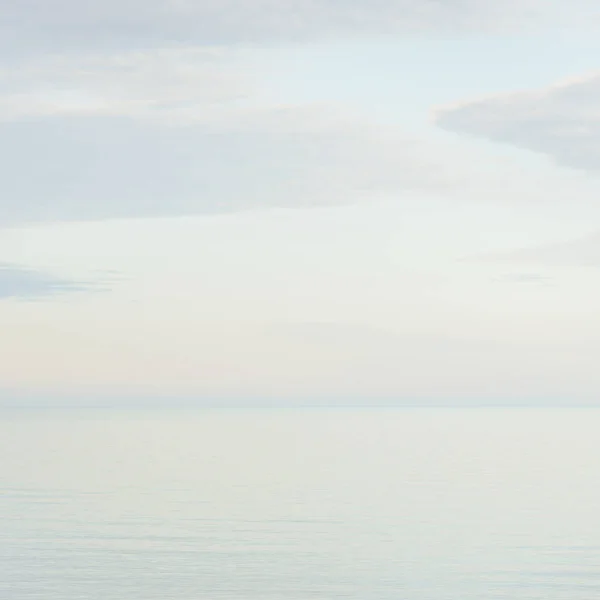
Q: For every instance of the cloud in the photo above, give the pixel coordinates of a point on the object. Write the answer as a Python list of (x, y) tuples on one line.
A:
[(561, 121), (82, 168), (155, 83), (24, 283), (42, 25), (176, 132)]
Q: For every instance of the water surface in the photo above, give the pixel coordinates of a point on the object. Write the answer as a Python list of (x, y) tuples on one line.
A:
[(300, 505)]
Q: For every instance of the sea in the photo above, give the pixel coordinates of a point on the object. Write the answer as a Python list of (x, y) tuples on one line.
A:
[(300, 504)]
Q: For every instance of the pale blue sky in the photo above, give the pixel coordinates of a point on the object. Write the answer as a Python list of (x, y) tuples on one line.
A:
[(404, 77), (311, 203)]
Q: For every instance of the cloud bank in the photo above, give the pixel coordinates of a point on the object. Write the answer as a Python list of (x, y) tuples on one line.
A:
[(78, 168), (163, 132), (42, 25), (561, 121), (103, 116)]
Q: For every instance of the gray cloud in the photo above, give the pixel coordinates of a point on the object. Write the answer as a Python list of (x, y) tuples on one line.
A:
[(163, 132), (24, 283), (562, 121), (82, 168), (42, 25)]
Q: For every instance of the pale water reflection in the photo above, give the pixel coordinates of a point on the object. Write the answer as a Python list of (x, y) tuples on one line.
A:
[(300, 505)]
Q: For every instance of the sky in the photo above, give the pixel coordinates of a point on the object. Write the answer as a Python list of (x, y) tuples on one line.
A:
[(300, 201)]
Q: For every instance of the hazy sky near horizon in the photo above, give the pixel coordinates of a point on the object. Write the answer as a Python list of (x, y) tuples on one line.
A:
[(300, 199)]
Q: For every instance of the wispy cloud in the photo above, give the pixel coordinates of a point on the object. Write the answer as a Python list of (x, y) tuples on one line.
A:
[(23, 283), (156, 83)]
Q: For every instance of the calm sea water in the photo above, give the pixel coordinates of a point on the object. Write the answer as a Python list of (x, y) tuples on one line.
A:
[(300, 505)]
